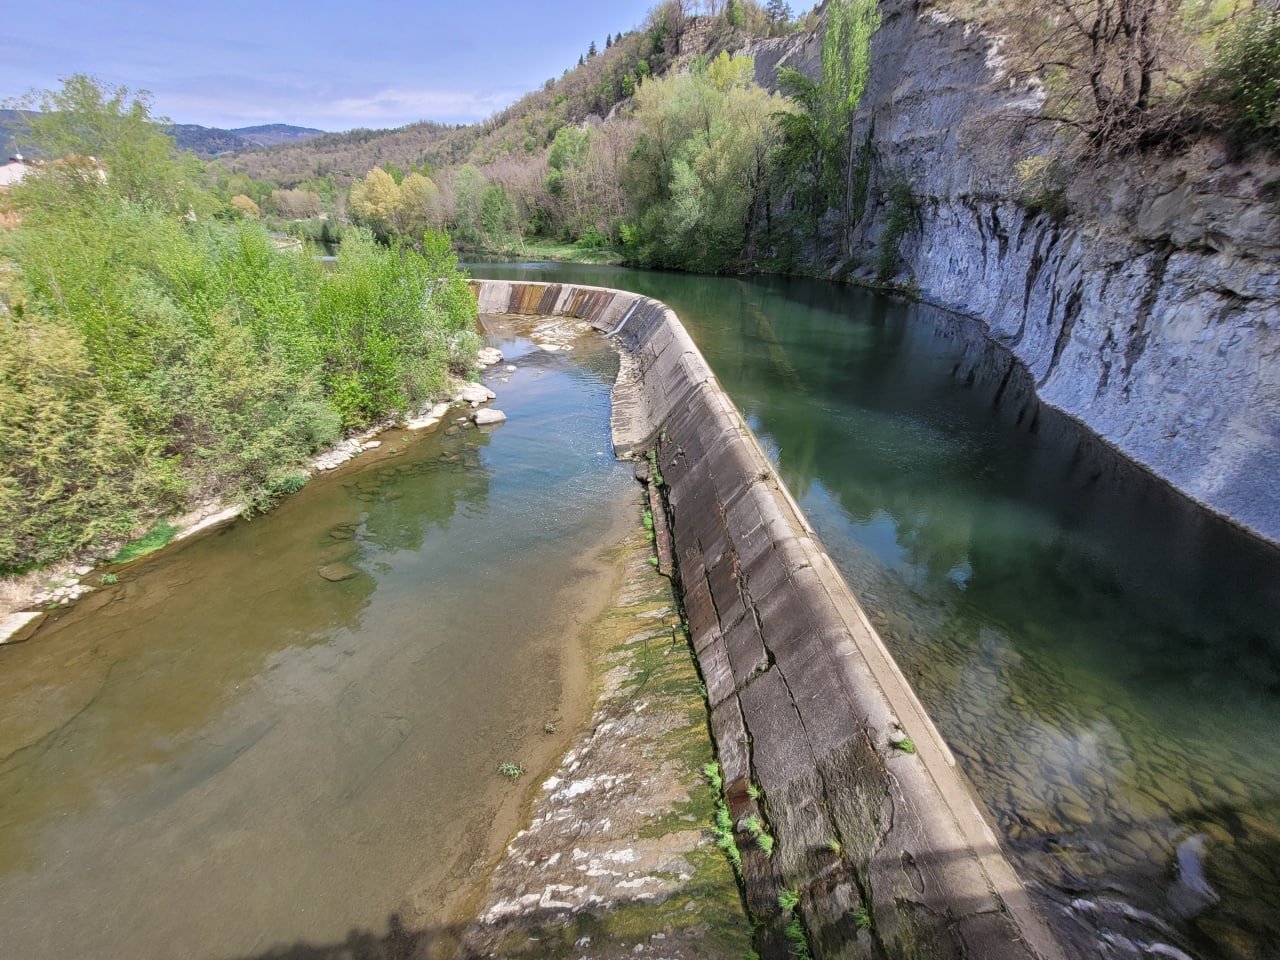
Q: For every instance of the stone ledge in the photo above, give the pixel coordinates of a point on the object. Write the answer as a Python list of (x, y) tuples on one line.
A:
[(888, 849)]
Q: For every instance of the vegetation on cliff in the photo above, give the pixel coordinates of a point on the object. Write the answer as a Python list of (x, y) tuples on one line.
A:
[(157, 349)]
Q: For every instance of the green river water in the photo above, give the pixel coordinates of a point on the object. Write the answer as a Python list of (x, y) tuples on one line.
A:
[(1103, 656)]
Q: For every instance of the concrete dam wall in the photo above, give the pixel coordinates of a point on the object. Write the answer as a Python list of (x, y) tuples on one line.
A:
[(822, 744)]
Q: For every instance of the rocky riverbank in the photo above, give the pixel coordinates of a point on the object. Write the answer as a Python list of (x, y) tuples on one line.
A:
[(618, 859)]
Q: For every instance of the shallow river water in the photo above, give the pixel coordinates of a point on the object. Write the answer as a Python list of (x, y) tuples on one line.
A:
[(227, 755), (1103, 656)]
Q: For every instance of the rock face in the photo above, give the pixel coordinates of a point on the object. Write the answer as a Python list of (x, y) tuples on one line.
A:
[(1151, 312)]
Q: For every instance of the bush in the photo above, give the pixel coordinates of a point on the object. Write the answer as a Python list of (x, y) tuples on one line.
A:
[(72, 470), (1244, 79), (151, 356), (901, 211)]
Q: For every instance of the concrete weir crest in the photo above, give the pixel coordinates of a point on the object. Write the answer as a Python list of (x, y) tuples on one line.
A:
[(814, 723)]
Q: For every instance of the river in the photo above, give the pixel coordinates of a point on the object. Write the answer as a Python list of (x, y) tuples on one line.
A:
[(1102, 655), (226, 755)]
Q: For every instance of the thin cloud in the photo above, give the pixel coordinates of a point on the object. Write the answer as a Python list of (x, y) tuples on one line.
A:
[(397, 103), (389, 107)]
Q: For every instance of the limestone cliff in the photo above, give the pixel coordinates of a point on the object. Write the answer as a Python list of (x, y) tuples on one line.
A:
[(1150, 311)]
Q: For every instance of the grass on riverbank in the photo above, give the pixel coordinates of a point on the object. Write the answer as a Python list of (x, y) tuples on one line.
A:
[(158, 536), (553, 250)]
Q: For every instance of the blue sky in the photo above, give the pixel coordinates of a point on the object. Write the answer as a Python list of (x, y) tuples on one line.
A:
[(320, 64)]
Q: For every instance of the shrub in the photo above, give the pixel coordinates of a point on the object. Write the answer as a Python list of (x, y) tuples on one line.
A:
[(901, 210), (1244, 79)]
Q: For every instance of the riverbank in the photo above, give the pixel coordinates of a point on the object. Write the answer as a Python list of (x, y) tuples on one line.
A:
[(24, 597), (617, 858)]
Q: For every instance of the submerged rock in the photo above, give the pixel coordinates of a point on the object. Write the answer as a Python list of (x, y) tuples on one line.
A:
[(337, 572)]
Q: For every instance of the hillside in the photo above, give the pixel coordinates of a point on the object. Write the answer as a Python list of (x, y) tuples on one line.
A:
[(607, 76), (348, 156)]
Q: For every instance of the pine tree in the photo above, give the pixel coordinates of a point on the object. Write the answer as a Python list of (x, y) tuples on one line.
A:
[(591, 50)]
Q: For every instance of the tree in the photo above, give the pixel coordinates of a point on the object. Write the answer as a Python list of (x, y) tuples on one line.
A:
[(819, 158), (1118, 72), (591, 50), (778, 15), (373, 202), (113, 125), (245, 207), (698, 166), (469, 186), (297, 204)]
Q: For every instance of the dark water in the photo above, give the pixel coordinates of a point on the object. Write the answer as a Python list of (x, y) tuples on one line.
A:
[(1103, 656), (226, 755)]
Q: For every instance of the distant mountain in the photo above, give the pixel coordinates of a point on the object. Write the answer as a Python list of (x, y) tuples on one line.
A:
[(202, 141), (270, 134), (212, 141)]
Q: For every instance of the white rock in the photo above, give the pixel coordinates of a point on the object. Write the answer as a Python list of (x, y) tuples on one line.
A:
[(511, 368), (371, 445), (19, 626), (489, 416), (439, 410), (82, 570), (475, 393), (421, 423), (488, 356)]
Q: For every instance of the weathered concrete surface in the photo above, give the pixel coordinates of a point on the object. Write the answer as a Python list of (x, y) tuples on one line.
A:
[(887, 848), (616, 861)]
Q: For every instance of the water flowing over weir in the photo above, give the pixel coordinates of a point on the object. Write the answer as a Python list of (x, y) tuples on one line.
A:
[(1101, 655)]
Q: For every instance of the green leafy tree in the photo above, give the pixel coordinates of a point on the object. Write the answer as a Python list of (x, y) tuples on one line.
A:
[(114, 126), (699, 164)]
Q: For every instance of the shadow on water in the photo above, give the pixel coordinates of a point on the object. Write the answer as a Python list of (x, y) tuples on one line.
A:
[(1102, 654)]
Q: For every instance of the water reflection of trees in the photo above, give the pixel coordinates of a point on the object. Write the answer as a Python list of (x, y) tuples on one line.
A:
[(406, 502)]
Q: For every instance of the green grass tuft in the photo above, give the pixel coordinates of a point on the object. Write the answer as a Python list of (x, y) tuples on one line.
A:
[(510, 770), (788, 899), (155, 538), (797, 940)]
